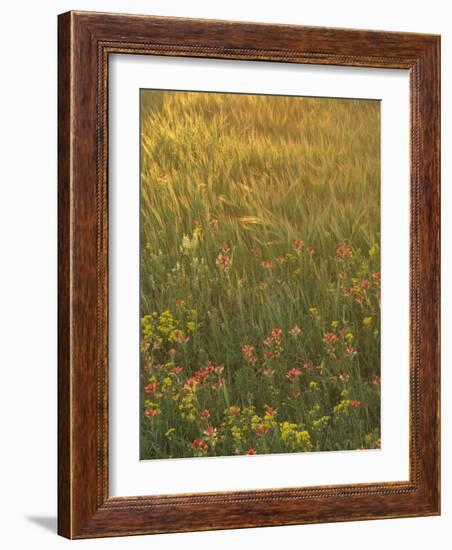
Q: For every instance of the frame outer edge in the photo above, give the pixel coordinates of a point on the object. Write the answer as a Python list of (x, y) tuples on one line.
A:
[(64, 277), (438, 176), (426, 235), (82, 511), (431, 248)]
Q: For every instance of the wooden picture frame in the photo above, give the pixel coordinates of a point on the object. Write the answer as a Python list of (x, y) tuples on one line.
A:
[(85, 42)]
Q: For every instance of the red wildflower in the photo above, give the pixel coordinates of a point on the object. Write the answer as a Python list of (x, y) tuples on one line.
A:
[(296, 393), (280, 259), (172, 352), (376, 276), (201, 375), (213, 222), (250, 452), (223, 261), (293, 373), (342, 251), (295, 331), (355, 403), (376, 380), (218, 384), (180, 337), (247, 351), (198, 443), (268, 372), (297, 244), (261, 429), (266, 264), (269, 355), (225, 249), (344, 377), (330, 338), (365, 284), (208, 369), (153, 386), (151, 412), (210, 432), (191, 382), (350, 350), (310, 250), (234, 410), (269, 410), (275, 337), (204, 414), (205, 371), (347, 291)]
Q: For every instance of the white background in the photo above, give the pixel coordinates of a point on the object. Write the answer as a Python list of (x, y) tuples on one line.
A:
[(128, 475), (28, 271)]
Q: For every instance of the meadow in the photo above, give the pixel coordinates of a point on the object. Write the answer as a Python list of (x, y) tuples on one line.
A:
[(259, 274)]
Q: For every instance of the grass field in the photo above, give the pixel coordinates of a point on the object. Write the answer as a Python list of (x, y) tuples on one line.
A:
[(260, 274)]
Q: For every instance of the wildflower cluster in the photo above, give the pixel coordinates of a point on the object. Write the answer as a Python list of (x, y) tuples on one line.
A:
[(291, 388)]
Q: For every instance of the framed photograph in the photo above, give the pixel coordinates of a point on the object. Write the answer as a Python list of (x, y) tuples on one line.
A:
[(248, 275)]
